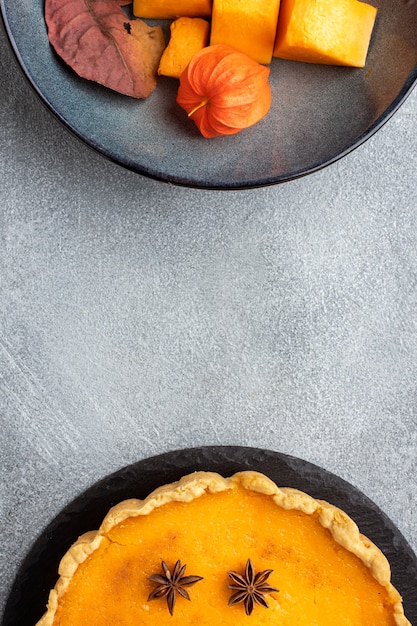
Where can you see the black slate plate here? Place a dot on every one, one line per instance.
(38, 573)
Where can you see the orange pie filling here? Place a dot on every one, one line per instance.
(324, 572)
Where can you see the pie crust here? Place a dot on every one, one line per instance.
(316, 519)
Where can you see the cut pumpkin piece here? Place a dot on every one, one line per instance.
(188, 36)
(171, 9)
(334, 32)
(248, 26)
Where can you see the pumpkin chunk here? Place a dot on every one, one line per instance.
(188, 36)
(171, 9)
(248, 26)
(334, 32)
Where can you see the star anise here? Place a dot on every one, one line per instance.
(250, 588)
(172, 584)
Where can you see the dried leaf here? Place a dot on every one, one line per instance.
(91, 36)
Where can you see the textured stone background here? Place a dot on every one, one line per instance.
(137, 318)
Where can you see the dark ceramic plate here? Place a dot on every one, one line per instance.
(38, 573)
(319, 113)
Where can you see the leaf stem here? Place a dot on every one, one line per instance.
(199, 105)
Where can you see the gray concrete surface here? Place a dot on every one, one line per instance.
(137, 318)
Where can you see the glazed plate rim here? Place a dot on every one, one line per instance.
(162, 173)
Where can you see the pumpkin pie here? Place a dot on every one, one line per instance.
(225, 551)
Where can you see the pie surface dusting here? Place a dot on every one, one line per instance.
(321, 569)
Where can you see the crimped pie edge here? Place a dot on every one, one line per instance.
(343, 529)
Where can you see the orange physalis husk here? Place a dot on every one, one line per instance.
(224, 90)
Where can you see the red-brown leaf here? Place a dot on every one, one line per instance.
(92, 37)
